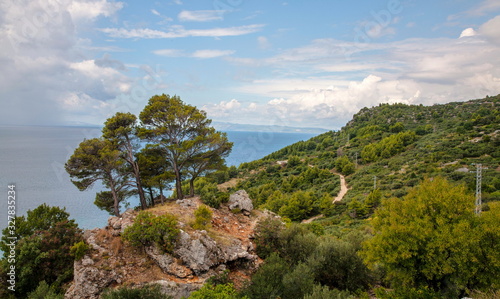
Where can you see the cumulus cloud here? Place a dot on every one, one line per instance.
(41, 49)
(490, 29)
(320, 85)
(468, 32)
(90, 10)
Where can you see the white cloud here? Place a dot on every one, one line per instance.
(414, 71)
(200, 15)
(211, 53)
(179, 31)
(42, 64)
(490, 29)
(205, 53)
(90, 10)
(170, 52)
(468, 32)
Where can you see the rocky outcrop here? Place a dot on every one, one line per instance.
(119, 224)
(89, 281)
(168, 263)
(241, 200)
(175, 289)
(197, 255)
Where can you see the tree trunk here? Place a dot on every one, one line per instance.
(191, 187)
(161, 194)
(151, 196)
(135, 168)
(178, 183)
(116, 202)
(142, 197)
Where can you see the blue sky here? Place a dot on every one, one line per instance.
(294, 63)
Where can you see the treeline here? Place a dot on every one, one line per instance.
(173, 142)
(293, 188)
(391, 148)
(429, 244)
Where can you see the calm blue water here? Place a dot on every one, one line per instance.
(33, 159)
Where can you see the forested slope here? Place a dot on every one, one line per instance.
(388, 148)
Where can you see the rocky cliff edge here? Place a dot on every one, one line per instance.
(198, 255)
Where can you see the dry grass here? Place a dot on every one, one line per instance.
(183, 214)
(488, 295)
(116, 246)
(229, 184)
(103, 236)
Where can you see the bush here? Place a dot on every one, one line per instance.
(267, 282)
(324, 292)
(410, 293)
(267, 233)
(219, 291)
(79, 250)
(336, 263)
(44, 291)
(210, 194)
(147, 292)
(149, 229)
(203, 216)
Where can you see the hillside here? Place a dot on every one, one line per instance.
(390, 148)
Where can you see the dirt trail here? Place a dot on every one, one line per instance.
(339, 197)
(343, 188)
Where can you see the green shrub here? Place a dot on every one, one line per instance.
(219, 291)
(44, 291)
(267, 233)
(267, 282)
(149, 229)
(147, 292)
(221, 278)
(336, 263)
(410, 293)
(209, 193)
(79, 250)
(324, 292)
(203, 216)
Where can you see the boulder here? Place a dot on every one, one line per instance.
(119, 224)
(168, 263)
(241, 200)
(89, 281)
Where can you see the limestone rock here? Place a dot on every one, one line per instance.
(175, 289)
(119, 224)
(241, 200)
(89, 281)
(168, 263)
(198, 251)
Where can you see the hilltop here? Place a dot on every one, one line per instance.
(389, 148)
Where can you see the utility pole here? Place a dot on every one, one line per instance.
(479, 175)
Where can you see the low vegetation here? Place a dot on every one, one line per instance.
(149, 229)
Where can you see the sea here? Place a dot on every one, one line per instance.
(32, 161)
